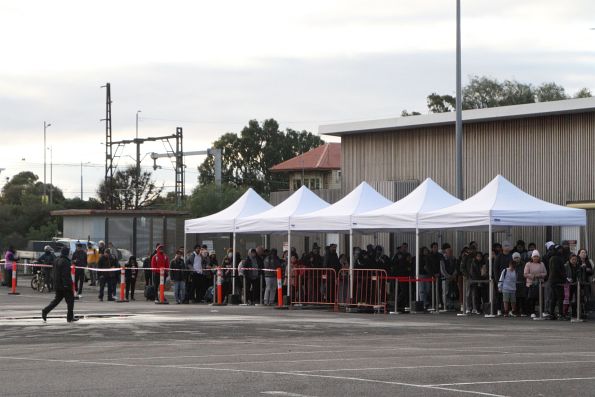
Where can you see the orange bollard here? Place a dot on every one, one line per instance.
(14, 280)
(122, 285)
(279, 288)
(161, 285)
(219, 286)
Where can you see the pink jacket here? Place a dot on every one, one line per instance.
(534, 271)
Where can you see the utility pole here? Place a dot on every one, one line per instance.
(137, 112)
(459, 114)
(51, 174)
(109, 161)
(45, 127)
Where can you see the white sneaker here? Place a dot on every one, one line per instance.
(533, 315)
(499, 313)
(512, 315)
(546, 314)
(475, 312)
(468, 312)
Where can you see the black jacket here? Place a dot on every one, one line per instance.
(557, 273)
(178, 266)
(332, 260)
(79, 258)
(62, 278)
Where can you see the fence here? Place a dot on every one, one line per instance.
(362, 288)
(313, 286)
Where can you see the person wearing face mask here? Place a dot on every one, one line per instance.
(159, 261)
(585, 276)
(199, 260)
(227, 264)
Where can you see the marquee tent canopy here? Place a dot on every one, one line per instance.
(403, 214)
(338, 216)
(224, 221)
(276, 219)
(500, 203)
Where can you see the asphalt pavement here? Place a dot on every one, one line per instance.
(143, 349)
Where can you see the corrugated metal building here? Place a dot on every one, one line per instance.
(544, 148)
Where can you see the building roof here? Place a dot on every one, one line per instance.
(567, 106)
(147, 213)
(323, 158)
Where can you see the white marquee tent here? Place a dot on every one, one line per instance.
(500, 203)
(404, 214)
(250, 203)
(276, 219)
(338, 217)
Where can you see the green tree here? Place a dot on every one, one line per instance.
(208, 199)
(441, 103)
(583, 93)
(550, 92)
(26, 184)
(248, 157)
(128, 190)
(405, 113)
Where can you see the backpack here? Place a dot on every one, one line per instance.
(502, 277)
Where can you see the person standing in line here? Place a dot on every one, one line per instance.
(271, 263)
(534, 274)
(252, 286)
(521, 288)
(131, 274)
(448, 270)
(147, 269)
(104, 264)
(199, 260)
(159, 261)
(178, 276)
(79, 259)
(10, 259)
(501, 262)
(47, 258)
(63, 287)
(507, 286)
(92, 259)
(557, 278)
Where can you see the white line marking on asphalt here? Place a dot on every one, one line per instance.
(449, 366)
(431, 387)
(511, 381)
(283, 393)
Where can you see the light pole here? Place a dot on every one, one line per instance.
(137, 112)
(45, 127)
(51, 174)
(459, 115)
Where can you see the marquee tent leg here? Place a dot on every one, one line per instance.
(233, 276)
(351, 265)
(417, 264)
(289, 265)
(490, 269)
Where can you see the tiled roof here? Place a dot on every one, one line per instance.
(324, 158)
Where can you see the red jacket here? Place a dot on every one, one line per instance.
(159, 261)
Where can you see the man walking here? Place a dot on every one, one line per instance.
(63, 287)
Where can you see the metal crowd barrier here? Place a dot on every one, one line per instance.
(367, 289)
(313, 286)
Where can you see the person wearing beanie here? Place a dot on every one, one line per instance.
(63, 287)
(534, 274)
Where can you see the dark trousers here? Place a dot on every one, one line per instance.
(111, 286)
(254, 290)
(79, 280)
(47, 275)
(8, 278)
(130, 286)
(157, 283)
(199, 287)
(556, 297)
(68, 296)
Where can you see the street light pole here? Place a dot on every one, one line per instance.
(459, 114)
(137, 112)
(45, 126)
(51, 174)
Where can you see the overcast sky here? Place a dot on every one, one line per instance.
(210, 66)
